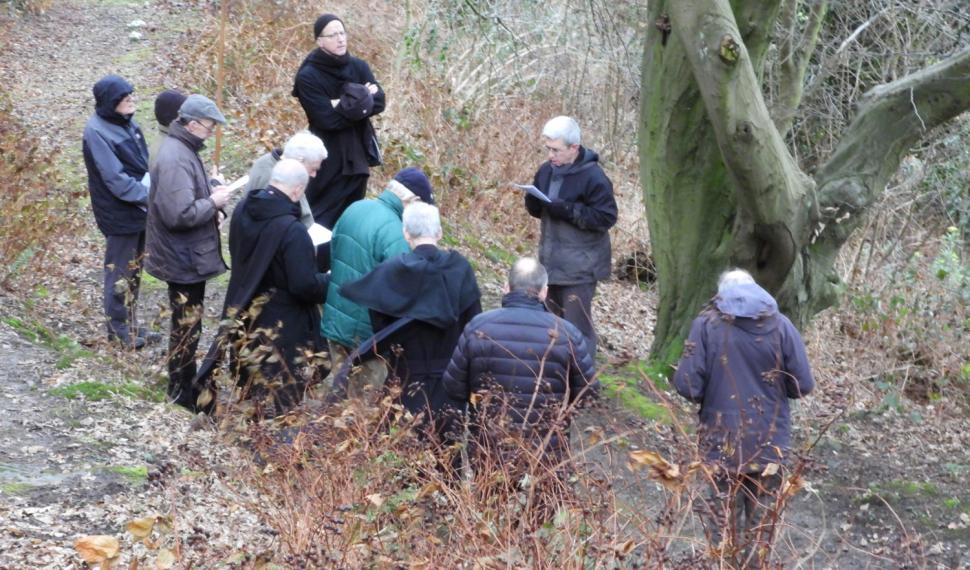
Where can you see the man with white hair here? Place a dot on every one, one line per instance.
(368, 233)
(272, 261)
(574, 243)
(743, 362)
(419, 303)
(304, 147)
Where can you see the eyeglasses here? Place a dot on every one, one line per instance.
(334, 35)
(554, 150)
(207, 128)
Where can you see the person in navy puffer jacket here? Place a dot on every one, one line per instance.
(116, 157)
(522, 370)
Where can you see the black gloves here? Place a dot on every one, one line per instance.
(560, 210)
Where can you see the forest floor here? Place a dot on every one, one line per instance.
(87, 443)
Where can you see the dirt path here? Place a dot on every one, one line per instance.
(888, 488)
(85, 444)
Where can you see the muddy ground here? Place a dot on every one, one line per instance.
(87, 444)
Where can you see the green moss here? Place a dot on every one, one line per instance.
(15, 488)
(67, 348)
(624, 387)
(97, 391)
(135, 474)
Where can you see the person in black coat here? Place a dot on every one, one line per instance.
(273, 295)
(339, 94)
(116, 158)
(575, 242)
(419, 304)
(521, 369)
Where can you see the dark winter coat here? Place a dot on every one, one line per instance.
(367, 234)
(116, 157)
(182, 240)
(438, 290)
(574, 244)
(742, 362)
(527, 365)
(273, 257)
(346, 130)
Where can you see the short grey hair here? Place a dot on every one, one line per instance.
(422, 220)
(733, 277)
(290, 173)
(562, 128)
(305, 147)
(528, 276)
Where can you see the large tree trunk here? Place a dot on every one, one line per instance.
(721, 188)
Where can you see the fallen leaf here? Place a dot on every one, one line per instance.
(375, 499)
(97, 549)
(662, 470)
(625, 548)
(140, 528)
(770, 470)
(165, 560)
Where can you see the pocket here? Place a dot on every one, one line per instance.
(206, 258)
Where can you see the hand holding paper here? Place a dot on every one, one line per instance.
(532, 191)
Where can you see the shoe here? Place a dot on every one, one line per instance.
(138, 343)
(151, 337)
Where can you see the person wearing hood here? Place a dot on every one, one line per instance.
(339, 94)
(574, 241)
(743, 361)
(367, 234)
(116, 158)
(183, 245)
(419, 303)
(273, 261)
(167, 105)
(304, 147)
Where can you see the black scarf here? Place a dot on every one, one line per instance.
(335, 66)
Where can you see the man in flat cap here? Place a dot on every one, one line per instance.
(183, 243)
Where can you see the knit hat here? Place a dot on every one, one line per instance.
(415, 180)
(322, 22)
(201, 107)
(167, 106)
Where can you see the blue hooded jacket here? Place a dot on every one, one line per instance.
(116, 158)
(742, 362)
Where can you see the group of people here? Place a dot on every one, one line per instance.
(397, 309)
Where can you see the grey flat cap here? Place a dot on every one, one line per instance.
(201, 107)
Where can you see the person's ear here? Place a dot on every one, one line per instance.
(543, 293)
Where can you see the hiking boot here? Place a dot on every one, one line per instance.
(124, 341)
(151, 337)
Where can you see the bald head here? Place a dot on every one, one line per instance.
(528, 276)
(290, 177)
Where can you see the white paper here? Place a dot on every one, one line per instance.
(146, 180)
(239, 183)
(319, 234)
(532, 191)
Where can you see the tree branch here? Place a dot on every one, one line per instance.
(891, 119)
(794, 58)
(772, 193)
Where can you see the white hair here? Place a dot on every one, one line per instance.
(422, 220)
(562, 128)
(528, 275)
(305, 147)
(733, 277)
(289, 173)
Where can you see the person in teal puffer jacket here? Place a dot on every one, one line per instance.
(368, 233)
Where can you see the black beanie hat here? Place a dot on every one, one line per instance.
(415, 180)
(322, 22)
(167, 106)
